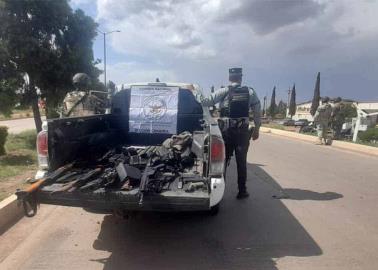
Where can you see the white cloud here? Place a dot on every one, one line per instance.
(77, 3)
(128, 72)
(276, 43)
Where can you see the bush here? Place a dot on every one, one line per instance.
(3, 138)
(24, 140)
(369, 135)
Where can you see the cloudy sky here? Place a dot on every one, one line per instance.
(276, 42)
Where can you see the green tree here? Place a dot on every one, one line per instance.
(264, 107)
(293, 104)
(371, 134)
(281, 109)
(348, 111)
(111, 88)
(8, 96)
(273, 105)
(316, 97)
(50, 43)
(10, 82)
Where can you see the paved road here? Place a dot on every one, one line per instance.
(19, 125)
(323, 216)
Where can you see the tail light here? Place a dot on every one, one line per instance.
(42, 149)
(217, 156)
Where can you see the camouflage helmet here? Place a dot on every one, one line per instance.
(325, 99)
(81, 80)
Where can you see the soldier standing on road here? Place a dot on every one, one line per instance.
(322, 119)
(337, 117)
(82, 102)
(235, 101)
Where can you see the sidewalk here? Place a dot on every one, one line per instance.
(353, 147)
(19, 125)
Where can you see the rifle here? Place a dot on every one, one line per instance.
(148, 171)
(107, 178)
(82, 180)
(28, 196)
(96, 183)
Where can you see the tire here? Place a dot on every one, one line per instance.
(214, 210)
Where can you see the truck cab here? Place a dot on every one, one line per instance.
(137, 120)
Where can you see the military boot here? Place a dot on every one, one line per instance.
(242, 194)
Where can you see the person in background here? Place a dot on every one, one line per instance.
(322, 119)
(81, 101)
(338, 118)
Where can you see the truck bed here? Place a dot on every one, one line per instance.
(84, 140)
(177, 179)
(102, 200)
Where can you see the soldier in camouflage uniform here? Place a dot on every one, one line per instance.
(322, 119)
(82, 102)
(338, 117)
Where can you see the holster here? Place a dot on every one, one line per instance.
(223, 124)
(251, 129)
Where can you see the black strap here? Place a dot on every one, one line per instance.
(76, 104)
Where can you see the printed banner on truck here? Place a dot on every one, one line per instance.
(153, 109)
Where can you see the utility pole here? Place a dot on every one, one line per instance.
(104, 60)
(104, 35)
(288, 102)
(264, 108)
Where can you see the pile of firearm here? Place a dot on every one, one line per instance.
(151, 168)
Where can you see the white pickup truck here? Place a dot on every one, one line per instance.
(80, 139)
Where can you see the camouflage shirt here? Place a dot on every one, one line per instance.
(81, 103)
(323, 114)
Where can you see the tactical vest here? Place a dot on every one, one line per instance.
(238, 102)
(80, 103)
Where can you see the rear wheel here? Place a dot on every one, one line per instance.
(214, 210)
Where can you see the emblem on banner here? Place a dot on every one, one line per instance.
(154, 108)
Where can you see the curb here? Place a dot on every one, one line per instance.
(10, 213)
(358, 148)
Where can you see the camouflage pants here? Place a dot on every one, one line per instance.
(322, 129)
(337, 127)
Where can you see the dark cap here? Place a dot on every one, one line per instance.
(235, 71)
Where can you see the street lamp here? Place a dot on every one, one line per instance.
(104, 34)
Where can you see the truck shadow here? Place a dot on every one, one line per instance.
(249, 234)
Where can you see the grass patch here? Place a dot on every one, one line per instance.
(367, 143)
(23, 140)
(274, 125)
(19, 114)
(19, 163)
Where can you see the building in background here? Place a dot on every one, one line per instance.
(367, 111)
(303, 111)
